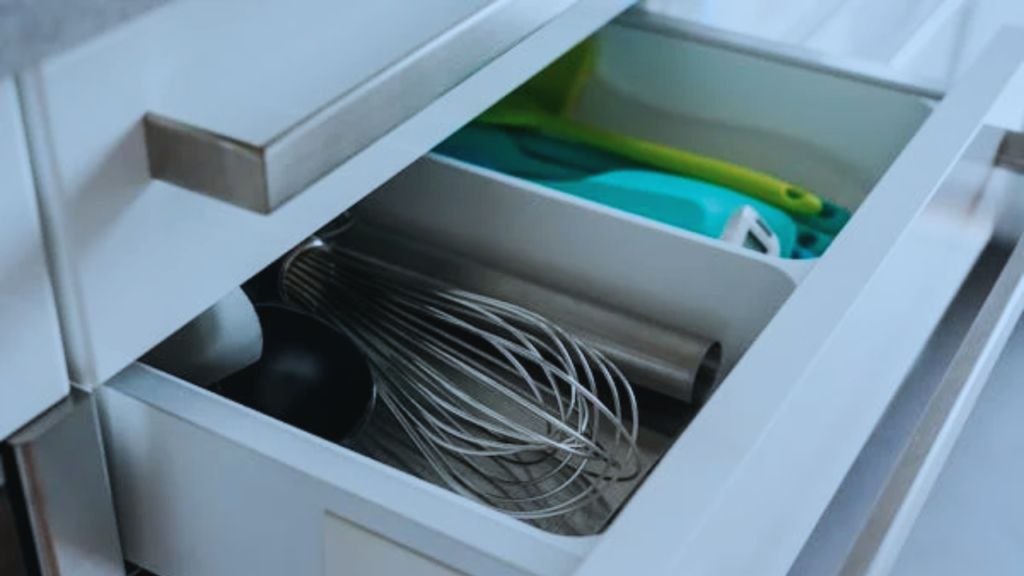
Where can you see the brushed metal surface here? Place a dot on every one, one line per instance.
(261, 176)
(857, 533)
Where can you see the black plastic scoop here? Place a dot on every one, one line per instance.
(310, 375)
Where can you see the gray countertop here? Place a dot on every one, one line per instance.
(33, 29)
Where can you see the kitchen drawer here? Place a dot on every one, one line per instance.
(867, 30)
(971, 520)
(814, 351)
(309, 108)
(32, 372)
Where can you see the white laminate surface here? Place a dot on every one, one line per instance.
(32, 370)
(791, 21)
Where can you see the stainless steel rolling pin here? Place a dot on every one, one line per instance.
(673, 362)
(677, 364)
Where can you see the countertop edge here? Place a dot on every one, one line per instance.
(31, 30)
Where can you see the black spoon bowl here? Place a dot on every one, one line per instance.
(311, 376)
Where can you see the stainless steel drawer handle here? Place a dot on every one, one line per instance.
(261, 176)
(921, 461)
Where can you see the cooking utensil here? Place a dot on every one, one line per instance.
(310, 375)
(505, 406)
(542, 104)
(221, 341)
(672, 362)
(687, 203)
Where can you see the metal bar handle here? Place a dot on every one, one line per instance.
(261, 176)
(905, 493)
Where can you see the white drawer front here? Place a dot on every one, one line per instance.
(32, 371)
(142, 256)
(204, 489)
(815, 350)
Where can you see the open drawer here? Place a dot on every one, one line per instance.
(237, 102)
(813, 351)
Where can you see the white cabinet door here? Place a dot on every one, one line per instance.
(874, 30)
(972, 521)
(32, 371)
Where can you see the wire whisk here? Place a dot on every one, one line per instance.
(503, 405)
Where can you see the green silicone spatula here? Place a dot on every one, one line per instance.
(541, 104)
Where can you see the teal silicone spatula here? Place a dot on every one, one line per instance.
(691, 204)
(681, 202)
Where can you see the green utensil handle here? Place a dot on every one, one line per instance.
(768, 189)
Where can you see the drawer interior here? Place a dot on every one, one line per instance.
(817, 130)
(446, 219)
(503, 238)
(834, 136)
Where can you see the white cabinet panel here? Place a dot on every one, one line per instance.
(32, 371)
(140, 256)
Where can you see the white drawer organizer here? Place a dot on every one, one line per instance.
(815, 352)
(32, 373)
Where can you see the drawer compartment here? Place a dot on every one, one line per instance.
(654, 121)
(578, 247)
(810, 352)
(245, 106)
